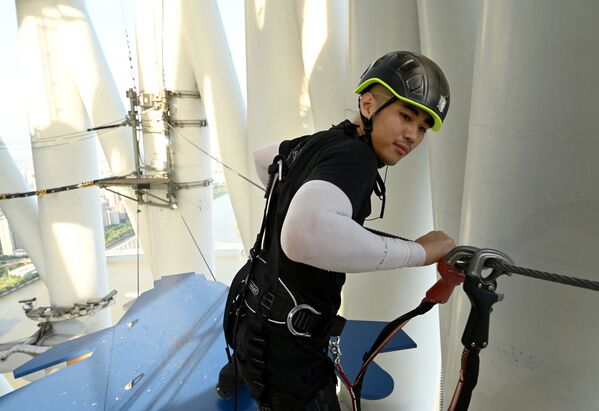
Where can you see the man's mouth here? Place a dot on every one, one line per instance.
(401, 148)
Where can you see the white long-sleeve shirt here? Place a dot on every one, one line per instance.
(318, 230)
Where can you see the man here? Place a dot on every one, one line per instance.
(314, 232)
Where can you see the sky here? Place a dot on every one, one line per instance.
(112, 19)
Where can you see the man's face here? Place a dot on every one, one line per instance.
(397, 130)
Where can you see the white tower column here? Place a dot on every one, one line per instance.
(177, 240)
(278, 99)
(225, 110)
(531, 191)
(103, 102)
(22, 213)
(70, 222)
(324, 46)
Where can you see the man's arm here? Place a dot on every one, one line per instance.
(318, 230)
(263, 157)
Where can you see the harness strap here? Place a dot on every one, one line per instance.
(383, 338)
(286, 318)
(468, 379)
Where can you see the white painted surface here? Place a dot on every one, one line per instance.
(531, 191)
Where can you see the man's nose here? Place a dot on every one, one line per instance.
(411, 133)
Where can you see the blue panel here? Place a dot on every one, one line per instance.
(169, 359)
(175, 351)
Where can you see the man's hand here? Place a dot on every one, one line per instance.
(437, 245)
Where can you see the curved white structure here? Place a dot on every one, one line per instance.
(70, 222)
(531, 191)
(393, 26)
(324, 47)
(21, 212)
(88, 68)
(225, 111)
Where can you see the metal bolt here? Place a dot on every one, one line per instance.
(473, 344)
(132, 323)
(490, 288)
(484, 344)
(479, 285)
(134, 381)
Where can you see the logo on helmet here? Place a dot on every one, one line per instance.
(442, 104)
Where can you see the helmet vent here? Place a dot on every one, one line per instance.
(408, 66)
(416, 84)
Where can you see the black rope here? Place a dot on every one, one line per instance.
(122, 124)
(541, 275)
(42, 192)
(383, 234)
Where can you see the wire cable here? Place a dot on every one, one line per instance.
(197, 246)
(216, 159)
(131, 69)
(542, 275)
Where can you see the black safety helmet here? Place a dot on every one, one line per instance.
(412, 78)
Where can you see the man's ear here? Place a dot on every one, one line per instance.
(367, 104)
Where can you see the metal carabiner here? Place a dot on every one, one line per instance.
(292, 312)
(460, 252)
(477, 264)
(335, 348)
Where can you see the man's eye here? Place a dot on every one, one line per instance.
(423, 130)
(406, 117)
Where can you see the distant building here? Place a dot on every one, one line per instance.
(8, 242)
(111, 213)
(22, 271)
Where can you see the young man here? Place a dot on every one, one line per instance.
(314, 234)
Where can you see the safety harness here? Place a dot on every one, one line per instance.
(259, 293)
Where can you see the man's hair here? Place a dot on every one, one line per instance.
(380, 93)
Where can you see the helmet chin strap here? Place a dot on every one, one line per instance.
(368, 122)
(379, 188)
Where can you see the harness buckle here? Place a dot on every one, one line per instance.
(280, 162)
(303, 320)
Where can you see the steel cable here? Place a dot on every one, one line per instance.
(542, 275)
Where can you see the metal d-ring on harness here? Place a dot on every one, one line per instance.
(292, 313)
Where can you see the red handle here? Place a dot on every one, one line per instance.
(450, 278)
